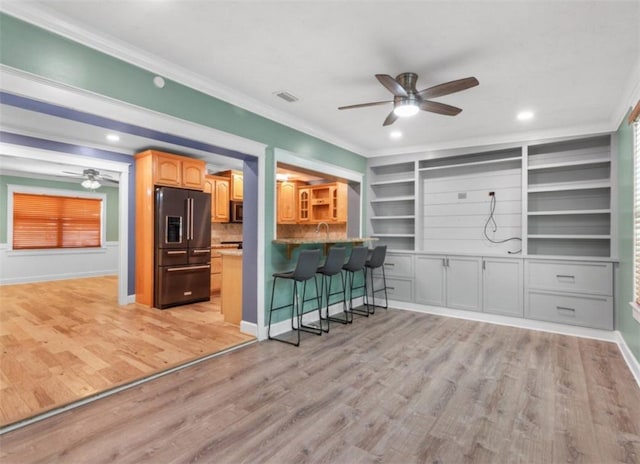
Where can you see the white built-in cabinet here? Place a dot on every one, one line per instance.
(451, 281)
(555, 198)
(502, 286)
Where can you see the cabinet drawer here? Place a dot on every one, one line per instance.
(398, 265)
(592, 278)
(397, 289)
(587, 311)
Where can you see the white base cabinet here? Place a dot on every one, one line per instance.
(451, 281)
(570, 292)
(398, 269)
(502, 286)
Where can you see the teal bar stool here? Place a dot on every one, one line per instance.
(304, 271)
(333, 267)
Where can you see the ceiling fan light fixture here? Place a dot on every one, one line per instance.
(90, 184)
(406, 109)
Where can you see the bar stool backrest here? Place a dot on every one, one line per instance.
(377, 256)
(357, 259)
(307, 265)
(335, 261)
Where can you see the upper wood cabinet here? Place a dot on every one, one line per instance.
(339, 202)
(304, 211)
(174, 170)
(236, 184)
(287, 203)
(322, 203)
(218, 186)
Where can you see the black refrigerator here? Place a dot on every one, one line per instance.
(182, 247)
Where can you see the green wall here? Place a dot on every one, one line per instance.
(29, 48)
(111, 192)
(625, 323)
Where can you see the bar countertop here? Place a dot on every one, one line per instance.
(292, 243)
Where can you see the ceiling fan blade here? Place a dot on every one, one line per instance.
(362, 105)
(392, 85)
(390, 119)
(79, 174)
(448, 87)
(440, 108)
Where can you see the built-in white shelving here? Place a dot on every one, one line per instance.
(392, 205)
(569, 198)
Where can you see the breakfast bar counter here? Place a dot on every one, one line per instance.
(292, 243)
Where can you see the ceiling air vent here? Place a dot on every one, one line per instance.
(286, 96)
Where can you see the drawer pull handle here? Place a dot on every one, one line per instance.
(188, 268)
(182, 252)
(389, 264)
(390, 288)
(565, 308)
(201, 251)
(565, 277)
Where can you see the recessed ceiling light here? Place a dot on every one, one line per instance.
(395, 135)
(113, 137)
(158, 82)
(525, 115)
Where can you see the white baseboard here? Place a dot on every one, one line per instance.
(249, 328)
(285, 326)
(52, 277)
(632, 362)
(585, 332)
(131, 298)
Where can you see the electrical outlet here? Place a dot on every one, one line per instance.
(492, 194)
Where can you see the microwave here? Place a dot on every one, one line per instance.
(235, 211)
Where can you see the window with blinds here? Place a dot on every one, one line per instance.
(51, 221)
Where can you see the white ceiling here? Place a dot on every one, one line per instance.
(576, 64)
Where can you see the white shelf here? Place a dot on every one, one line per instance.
(566, 186)
(394, 235)
(471, 163)
(393, 182)
(569, 237)
(569, 212)
(390, 199)
(563, 164)
(386, 218)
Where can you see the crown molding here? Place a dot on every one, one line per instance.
(517, 138)
(56, 24)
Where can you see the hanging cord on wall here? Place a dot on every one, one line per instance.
(491, 220)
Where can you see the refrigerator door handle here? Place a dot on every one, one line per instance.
(188, 268)
(191, 218)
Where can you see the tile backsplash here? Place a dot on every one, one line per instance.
(225, 232)
(309, 231)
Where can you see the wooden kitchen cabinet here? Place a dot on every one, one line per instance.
(218, 186)
(216, 271)
(339, 203)
(175, 170)
(287, 203)
(236, 184)
(231, 291)
(304, 202)
(322, 203)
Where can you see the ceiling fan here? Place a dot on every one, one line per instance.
(407, 101)
(91, 178)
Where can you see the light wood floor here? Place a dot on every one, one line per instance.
(66, 340)
(398, 387)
